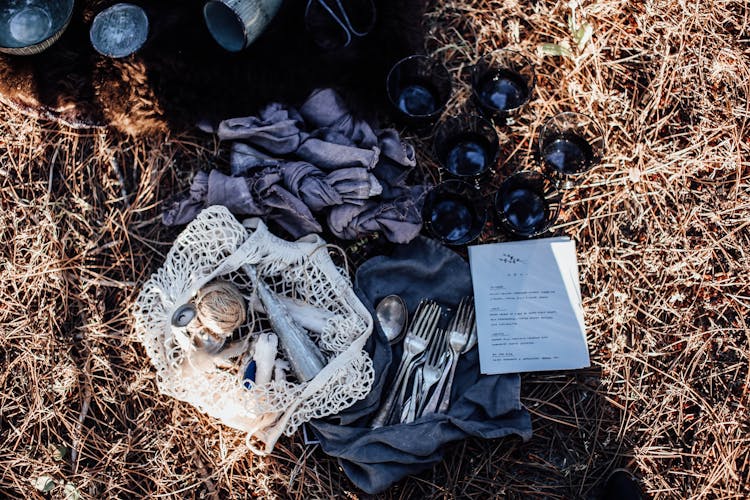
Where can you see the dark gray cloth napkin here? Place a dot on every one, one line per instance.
(486, 406)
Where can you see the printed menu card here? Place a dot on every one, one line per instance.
(527, 297)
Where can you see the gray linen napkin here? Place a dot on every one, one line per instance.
(486, 406)
(287, 165)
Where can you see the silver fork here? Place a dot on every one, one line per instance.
(415, 342)
(427, 372)
(458, 339)
(433, 367)
(455, 336)
(408, 411)
(430, 334)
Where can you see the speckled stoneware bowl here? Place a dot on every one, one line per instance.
(119, 30)
(30, 26)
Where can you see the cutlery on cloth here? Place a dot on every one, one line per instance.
(472, 340)
(426, 374)
(392, 316)
(415, 343)
(457, 339)
(435, 365)
(417, 362)
(409, 409)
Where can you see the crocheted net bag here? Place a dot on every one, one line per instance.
(216, 246)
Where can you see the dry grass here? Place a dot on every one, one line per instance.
(662, 228)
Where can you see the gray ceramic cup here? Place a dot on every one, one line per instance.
(235, 24)
(119, 30)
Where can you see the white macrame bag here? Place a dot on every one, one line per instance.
(216, 246)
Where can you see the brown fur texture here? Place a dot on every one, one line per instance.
(182, 76)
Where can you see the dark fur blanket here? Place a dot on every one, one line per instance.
(181, 75)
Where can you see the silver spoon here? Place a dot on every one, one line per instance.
(392, 315)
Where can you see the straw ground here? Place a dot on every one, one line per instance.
(662, 234)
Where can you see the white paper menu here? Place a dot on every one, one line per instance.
(528, 305)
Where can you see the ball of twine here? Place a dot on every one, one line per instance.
(220, 308)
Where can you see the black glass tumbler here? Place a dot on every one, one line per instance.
(419, 88)
(527, 203)
(570, 143)
(502, 83)
(454, 212)
(466, 147)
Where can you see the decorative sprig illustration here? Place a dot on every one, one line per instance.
(507, 258)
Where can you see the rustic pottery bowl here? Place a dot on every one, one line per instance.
(119, 30)
(30, 26)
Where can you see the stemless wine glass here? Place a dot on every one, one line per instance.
(419, 88)
(527, 203)
(502, 83)
(570, 143)
(466, 147)
(454, 212)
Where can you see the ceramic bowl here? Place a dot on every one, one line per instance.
(30, 26)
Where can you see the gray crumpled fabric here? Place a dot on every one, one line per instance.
(286, 195)
(395, 213)
(323, 132)
(287, 165)
(486, 406)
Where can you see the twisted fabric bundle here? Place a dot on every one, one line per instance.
(220, 307)
(293, 164)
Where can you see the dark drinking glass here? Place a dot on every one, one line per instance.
(454, 213)
(570, 143)
(419, 88)
(504, 90)
(527, 203)
(466, 146)
(502, 82)
(418, 98)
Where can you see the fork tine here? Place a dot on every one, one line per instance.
(440, 347)
(457, 316)
(469, 317)
(454, 320)
(467, 306)
(467, 311)
(435, 347)
(430, 347)
(419, 316)
(427, 327)
(429, 330)
(429, 313)
(424, 318)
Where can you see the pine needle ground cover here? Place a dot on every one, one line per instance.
(662, 228)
